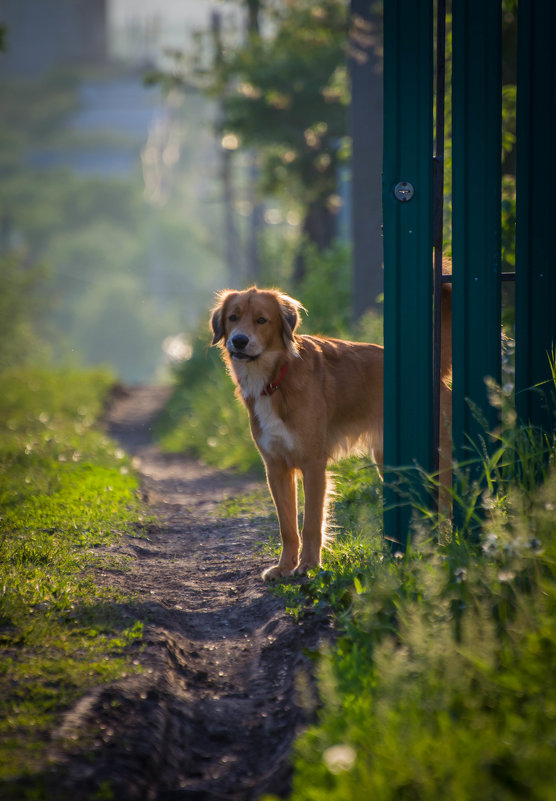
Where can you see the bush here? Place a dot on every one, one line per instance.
(325, 289)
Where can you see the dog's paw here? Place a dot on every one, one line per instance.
(276, 572)
(305, 565)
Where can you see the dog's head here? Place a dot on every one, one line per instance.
(251, 323)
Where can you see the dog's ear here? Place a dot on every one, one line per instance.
(289, 311)
(217, 317)
(217, 325)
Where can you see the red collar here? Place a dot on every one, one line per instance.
(271, 388)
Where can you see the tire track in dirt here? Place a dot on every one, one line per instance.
(215, 709)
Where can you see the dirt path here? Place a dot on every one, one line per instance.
(214, 713)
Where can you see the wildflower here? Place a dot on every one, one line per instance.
(491, 544)
(460, 574)
(506, 575)
(339, 757)
(487, 501)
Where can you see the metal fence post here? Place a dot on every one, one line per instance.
(408, 214)
(476, 219)
(536, 210)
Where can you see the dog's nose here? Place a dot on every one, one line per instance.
(239, 341)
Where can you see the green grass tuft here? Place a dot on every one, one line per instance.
(66, 490)
(441, 681)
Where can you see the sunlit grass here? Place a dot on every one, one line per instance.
(441, 681)
(253, 504)
(440, 677)
(66, 490)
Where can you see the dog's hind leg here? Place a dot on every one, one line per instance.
(445, 452)
(314, 486)
(282, 481)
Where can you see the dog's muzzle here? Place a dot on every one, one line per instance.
(237, 354)
(236, 347)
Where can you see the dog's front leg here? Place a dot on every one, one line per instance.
(314, 486)
(282, 481)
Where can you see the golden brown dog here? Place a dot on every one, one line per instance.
(310, 400)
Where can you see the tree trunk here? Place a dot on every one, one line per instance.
(319, 229)
(366, 132)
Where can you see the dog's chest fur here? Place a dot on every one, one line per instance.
(270, 432)
(275, 436)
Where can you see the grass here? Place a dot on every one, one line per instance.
(355, 526)
(66, 491)
(441, 681)
(258, 502)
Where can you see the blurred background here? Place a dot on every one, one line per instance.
(152, 152)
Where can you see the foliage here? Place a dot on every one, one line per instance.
(508, 223)
(65, 492)
(20, 310)
(441, 680)
(283, 92)
(442, 683)
(119, 275)
(325, 289)
(288, 93)
(508, 134)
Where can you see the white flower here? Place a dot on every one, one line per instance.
(490, 545)
(460, 574)
(339, 757)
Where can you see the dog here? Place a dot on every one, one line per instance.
(310, 399)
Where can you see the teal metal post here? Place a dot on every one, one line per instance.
(476, 219)
(536, 210)
(407, 165)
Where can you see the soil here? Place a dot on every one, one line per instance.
(217, 703)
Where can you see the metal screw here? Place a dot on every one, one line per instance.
(404, 191)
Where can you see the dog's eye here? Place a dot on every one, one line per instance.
(232, 318)
(261, 320)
